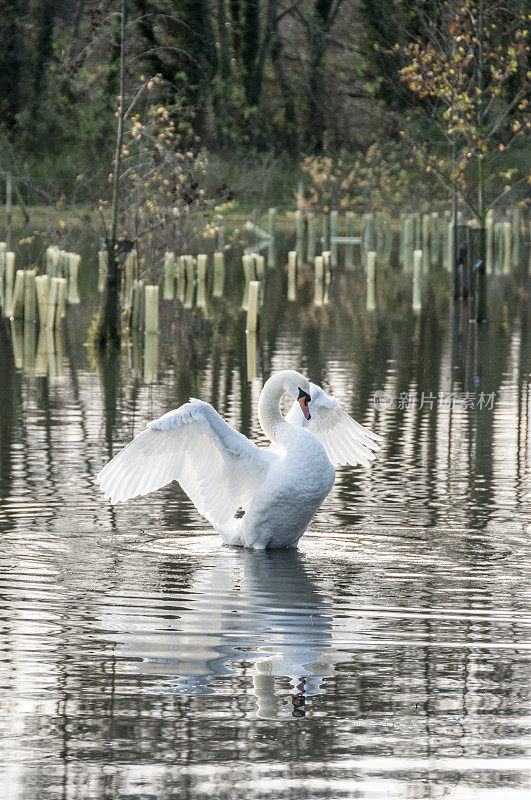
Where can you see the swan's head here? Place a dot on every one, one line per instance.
(298, 386)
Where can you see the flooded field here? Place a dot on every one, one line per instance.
(387, 657)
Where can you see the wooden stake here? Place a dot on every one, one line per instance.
(9, 258)
(310, 246)
(151, 309)
(61, 301)
(349, 248)
(319, 269)
(168, 289)
(202, 264)
(252, 307)
(151, 352)
(408, 243)
(434, 238)
(259, 266)
(42, 290)
(137, 305)
(29, 297)
(17, 304)
(53, 289)
(426, 235)
(371, 280)
(251, 353)
(299, 235)
(507, 241)
(325, 238)
(180, 271)
(219, 274)
(333, 234)
(190, 272)
(417, 280)
(489, 233)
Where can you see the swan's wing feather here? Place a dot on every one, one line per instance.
(345, 441)
(218, 468)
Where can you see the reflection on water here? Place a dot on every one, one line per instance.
(388, 657)
(261, 608)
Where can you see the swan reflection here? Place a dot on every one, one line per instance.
(244, 608)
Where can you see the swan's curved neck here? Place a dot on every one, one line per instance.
(269, 416)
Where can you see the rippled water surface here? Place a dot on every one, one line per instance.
(388, 657)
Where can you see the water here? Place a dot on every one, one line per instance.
(388, 657)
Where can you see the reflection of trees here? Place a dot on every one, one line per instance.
(9, 405)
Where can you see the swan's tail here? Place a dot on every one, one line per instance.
(231, 532)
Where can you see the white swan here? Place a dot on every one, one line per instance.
(279, 488)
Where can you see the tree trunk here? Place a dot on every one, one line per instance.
(12, 59)
(108, 330)
(324, 14)
(481, 277)
(223, 91)
(44, 52)
(290, 115)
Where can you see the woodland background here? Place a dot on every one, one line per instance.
(261, 90)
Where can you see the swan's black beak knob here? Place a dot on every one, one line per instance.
(304, 398)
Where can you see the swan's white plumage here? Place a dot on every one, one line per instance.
(279, 488)
(345, 441)
(218, 468)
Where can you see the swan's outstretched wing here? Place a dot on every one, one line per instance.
(218, 468)
(344, 440)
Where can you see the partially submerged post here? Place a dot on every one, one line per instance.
(251, 352)
(151, 355)
(9, 260)
(426, 235)
(507, 241)
(310, 247)
(17, 304)
(417, 280)
(151, 309)
(333, 236)
(408, 243)
(137, 305)
(292, 275)
(371, 280)
(434, 238)
(489, 234)
(41, 288)
(190, 272)
(325, 238)
(29, 296)
(252, 307)
(299, 234)
(349, 249)
(368, 239)
(219, 274)
(202, 264)
(319, 269)
(168, 287)
(259, 266)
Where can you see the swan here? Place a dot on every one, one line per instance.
(279, 487)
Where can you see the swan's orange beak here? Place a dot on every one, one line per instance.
(304, 399)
